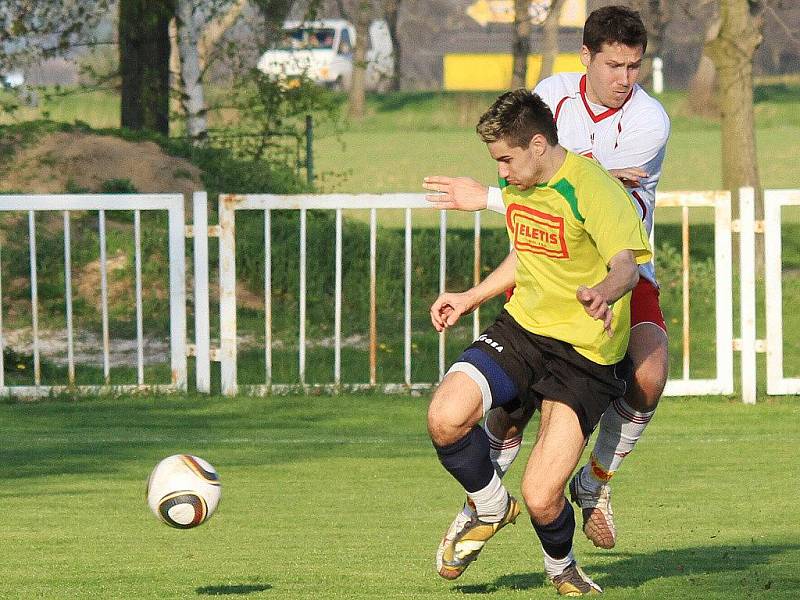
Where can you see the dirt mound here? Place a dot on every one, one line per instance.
(79, 160)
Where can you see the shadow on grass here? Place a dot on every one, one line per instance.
(635, 570)
(232, 590)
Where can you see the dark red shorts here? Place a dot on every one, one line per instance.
(644, 305)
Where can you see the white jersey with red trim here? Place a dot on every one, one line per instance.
(634, 135)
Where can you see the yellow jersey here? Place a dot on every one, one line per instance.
(565, 232)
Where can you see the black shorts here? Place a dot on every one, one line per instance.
(522, 366)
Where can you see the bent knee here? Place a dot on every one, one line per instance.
(452, 415)
(542, 507)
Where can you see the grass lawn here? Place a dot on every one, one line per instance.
(344, 498)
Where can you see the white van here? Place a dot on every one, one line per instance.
(324, 51)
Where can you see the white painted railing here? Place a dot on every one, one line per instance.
(173, 205)
(722, 383)
(226, 351)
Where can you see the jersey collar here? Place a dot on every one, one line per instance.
(597, 117)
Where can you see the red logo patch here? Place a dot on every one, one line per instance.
(536, 232)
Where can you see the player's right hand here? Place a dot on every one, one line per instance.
(630, 177)
(458, 193)
(449, 307)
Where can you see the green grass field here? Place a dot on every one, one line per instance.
(340, 498)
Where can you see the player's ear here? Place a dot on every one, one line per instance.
(539, 144)
(586, 56)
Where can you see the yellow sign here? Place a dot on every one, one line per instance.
(483, 12)
(492, 72)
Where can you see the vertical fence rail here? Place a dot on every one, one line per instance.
(337, 304)
(202, 333)
(177, 287)
(268, 297)
(227, 295)
(747, 293)
(373, 296)
(68, 299)
(37, 367)
(137, 253)
(407, 300)
(101, 225)
(303, 259)
(476, 274)
(442, 285)
(685, 292)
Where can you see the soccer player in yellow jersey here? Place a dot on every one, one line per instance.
(558, 345)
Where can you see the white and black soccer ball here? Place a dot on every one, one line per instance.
(183, 491)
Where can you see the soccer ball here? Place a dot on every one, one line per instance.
(183, 491)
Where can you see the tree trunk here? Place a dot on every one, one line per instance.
(358, 83)
(144, 50)
(702, 97)
(192, 97)
(391, 9)
(732, 52)
(521, 47)
(550, 39)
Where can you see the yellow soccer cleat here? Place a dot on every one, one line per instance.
(574, 582)
(465, 539)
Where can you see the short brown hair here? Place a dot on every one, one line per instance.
(517, 116)
(614, 24)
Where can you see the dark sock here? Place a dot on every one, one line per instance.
(468, 460)
(556, 537)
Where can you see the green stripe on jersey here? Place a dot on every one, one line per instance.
(567, 191)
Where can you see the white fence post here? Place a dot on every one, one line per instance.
(227, 294)
(747, 293)
(202, 335)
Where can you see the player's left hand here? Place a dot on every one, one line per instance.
(596, 306)
(458, 193)
(631, 177)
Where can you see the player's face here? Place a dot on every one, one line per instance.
(611, 73)
(518, 166)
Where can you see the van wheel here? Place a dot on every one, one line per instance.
(338, 85)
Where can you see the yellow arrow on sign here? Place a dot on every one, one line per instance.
(491, 11)
(502, 11)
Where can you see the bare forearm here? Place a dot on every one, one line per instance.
(622, 277)
(497, 281)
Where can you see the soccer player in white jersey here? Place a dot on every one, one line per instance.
(604, 114)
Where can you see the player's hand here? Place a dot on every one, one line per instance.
(459, 193)
(449, 307)
(596, 306)
(630, 177)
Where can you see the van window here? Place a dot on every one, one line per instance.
(304, 38)
(345, 46)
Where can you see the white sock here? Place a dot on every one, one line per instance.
(491, 501)
(503, 452)
(556, 566)
(620, 429)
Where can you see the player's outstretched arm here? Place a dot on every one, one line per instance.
(456, 193)
(448, 308)
(623, 274)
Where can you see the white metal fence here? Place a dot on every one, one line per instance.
(226, 351)
(65, 204)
